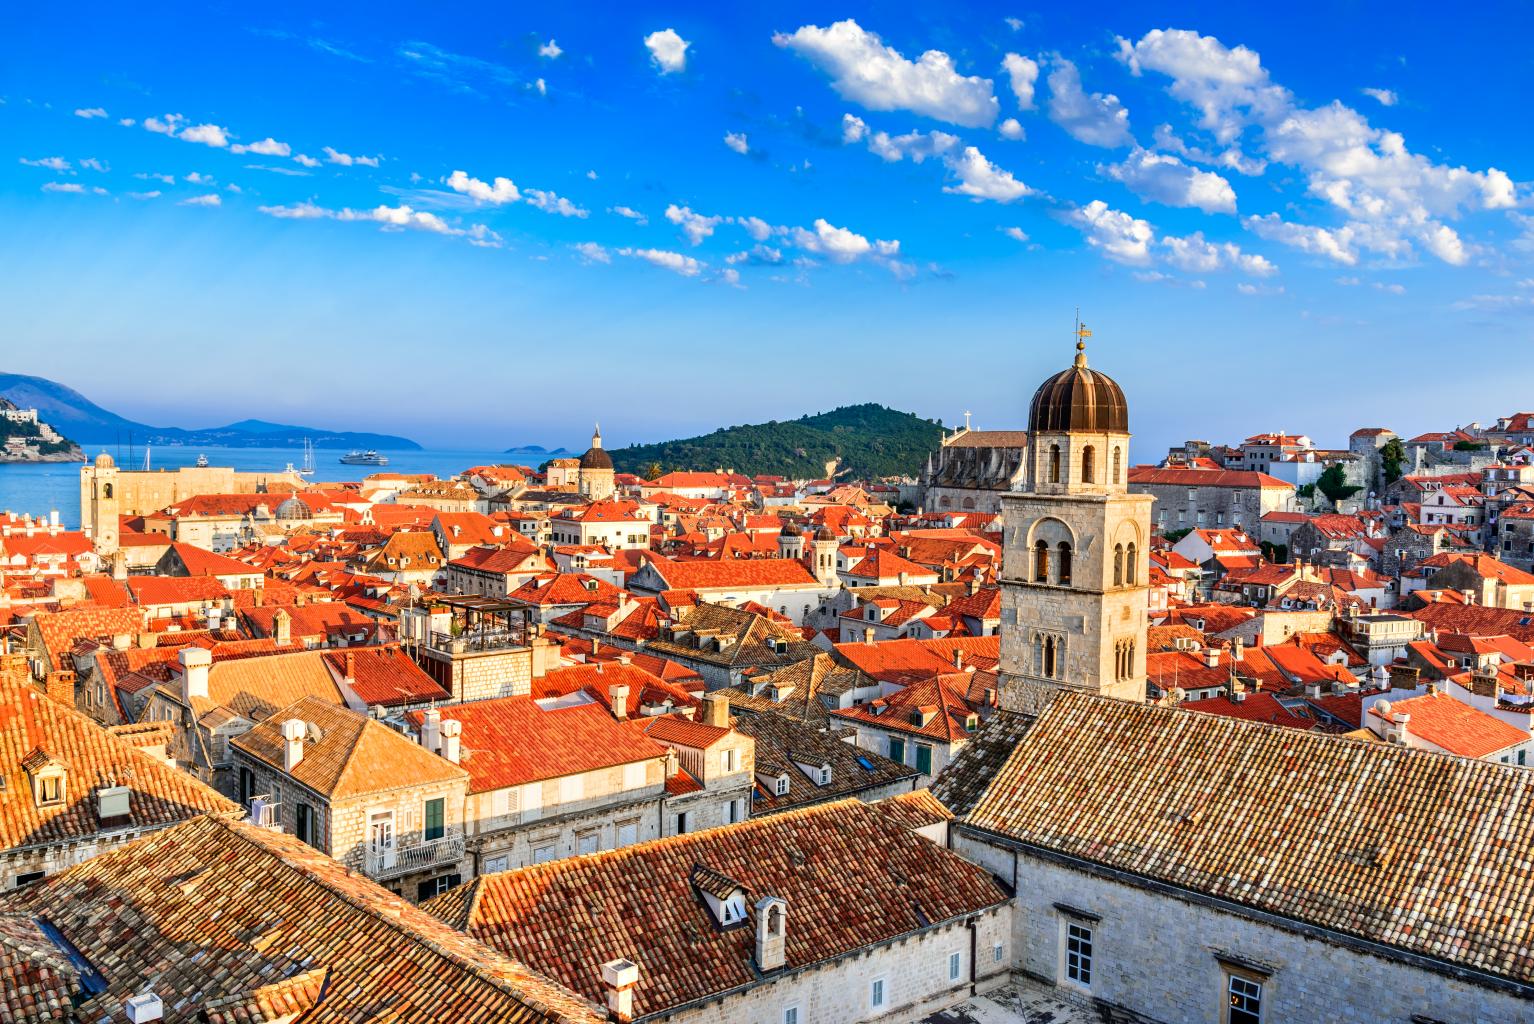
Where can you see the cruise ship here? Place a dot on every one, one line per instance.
(367, 458)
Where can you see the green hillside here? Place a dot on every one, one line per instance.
(871, 441)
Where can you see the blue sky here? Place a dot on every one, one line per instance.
(487, 225)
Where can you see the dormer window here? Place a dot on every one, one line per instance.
(780, 787)
(49, 778)
(825, 776)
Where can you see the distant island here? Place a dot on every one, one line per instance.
(538, 451)
(26, 437)
(864, 441)
(76, 416)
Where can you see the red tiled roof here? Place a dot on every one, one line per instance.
(1455, 726)
(511, 741)
(739, 572)
(1151, 476)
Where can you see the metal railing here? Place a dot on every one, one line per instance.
(478, 640)
(403, 859)
(265, 812)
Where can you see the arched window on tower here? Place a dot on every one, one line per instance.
(1117, 459)
(1118, 565)
(1054, 463)
(1129, 565)
(1088, 470)
(1041, 562)
(1063, 573)
(1046, 650)
(107, 490)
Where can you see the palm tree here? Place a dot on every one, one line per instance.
(654, 471)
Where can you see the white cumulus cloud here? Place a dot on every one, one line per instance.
(867, 71)
(52, 163)
(550, 50)
(1116, 234)
(591, 252)
(1022, 72)
(347, 160)
(1097, 119)
(694, 225)
(266, 147)
(548, 202)
(211, 199)
(854, 129)
(1163, 178)
(499, 192)
(1384, 97)
(90, 112)
(1011, 129)
(630, 213)
(668, 51)
(737, 142)
(672, 261)
(981, 179)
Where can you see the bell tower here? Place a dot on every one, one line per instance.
(1074, 565)
(99, 503)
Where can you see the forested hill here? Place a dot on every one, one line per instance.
(870, 440)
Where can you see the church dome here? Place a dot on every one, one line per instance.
(104, 461)
(596, 457)
(824, 533)
(1078, 398)
(294, 508)
(789, 530)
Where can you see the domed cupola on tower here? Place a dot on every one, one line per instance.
(1078, 431)
(595, 476)
(1074, 562)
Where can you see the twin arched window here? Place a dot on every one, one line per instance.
(1041, 562)
(1048, 655)
(1124, 659)
(1124, 565)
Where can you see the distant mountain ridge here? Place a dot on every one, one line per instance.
(870, 440)
(538, 450)
(77, 417)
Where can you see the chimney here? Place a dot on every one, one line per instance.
(119, 565)
(958, 659)
(619, 978)
(452, 748)
(868, 635)
(771, 929)
(618, 699)
(292, 743)
(282, 629)
(351, 667)
(716, 710)
(1212, 656)
(195, 662)
(431, 730)
(143, 1008)
(112, 803)
(1237, 649)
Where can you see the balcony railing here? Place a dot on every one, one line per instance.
(478, 640)
(265, 812)
(404, 859)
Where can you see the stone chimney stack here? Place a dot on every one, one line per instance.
(431, 730)
(293, 731)
(716, 710)
(452, 749)
(282, 627)
(351, 667)
(771, 933)
(618, 700)
(1212, 656)
(619, 978)
(119, 565)
(195, 663)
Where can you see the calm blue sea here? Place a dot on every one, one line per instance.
(40, 487)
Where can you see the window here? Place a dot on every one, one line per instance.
(681, 823)
(876, 994)
(1245, 998)
(732, 812)
(732, 757)
(28, 877)
(495, 864)
(1078, 954)
(304, 823)
(790, 1015)
(780, 786)
(1087, 469)
(1041, 562)
(628, 833)
(50, 790)
(1117, 457)
(1130, 562)
(1065, 563)
(436, 887)
(588, 842)
(955, 963)
(897, 750)
(996, 952)
(1054, 463)
(435, 825)
(1118, 565)
(924, 759)
(543, 853)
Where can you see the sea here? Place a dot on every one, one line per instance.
(41, 487)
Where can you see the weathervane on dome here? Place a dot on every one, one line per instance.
(1082, 334)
